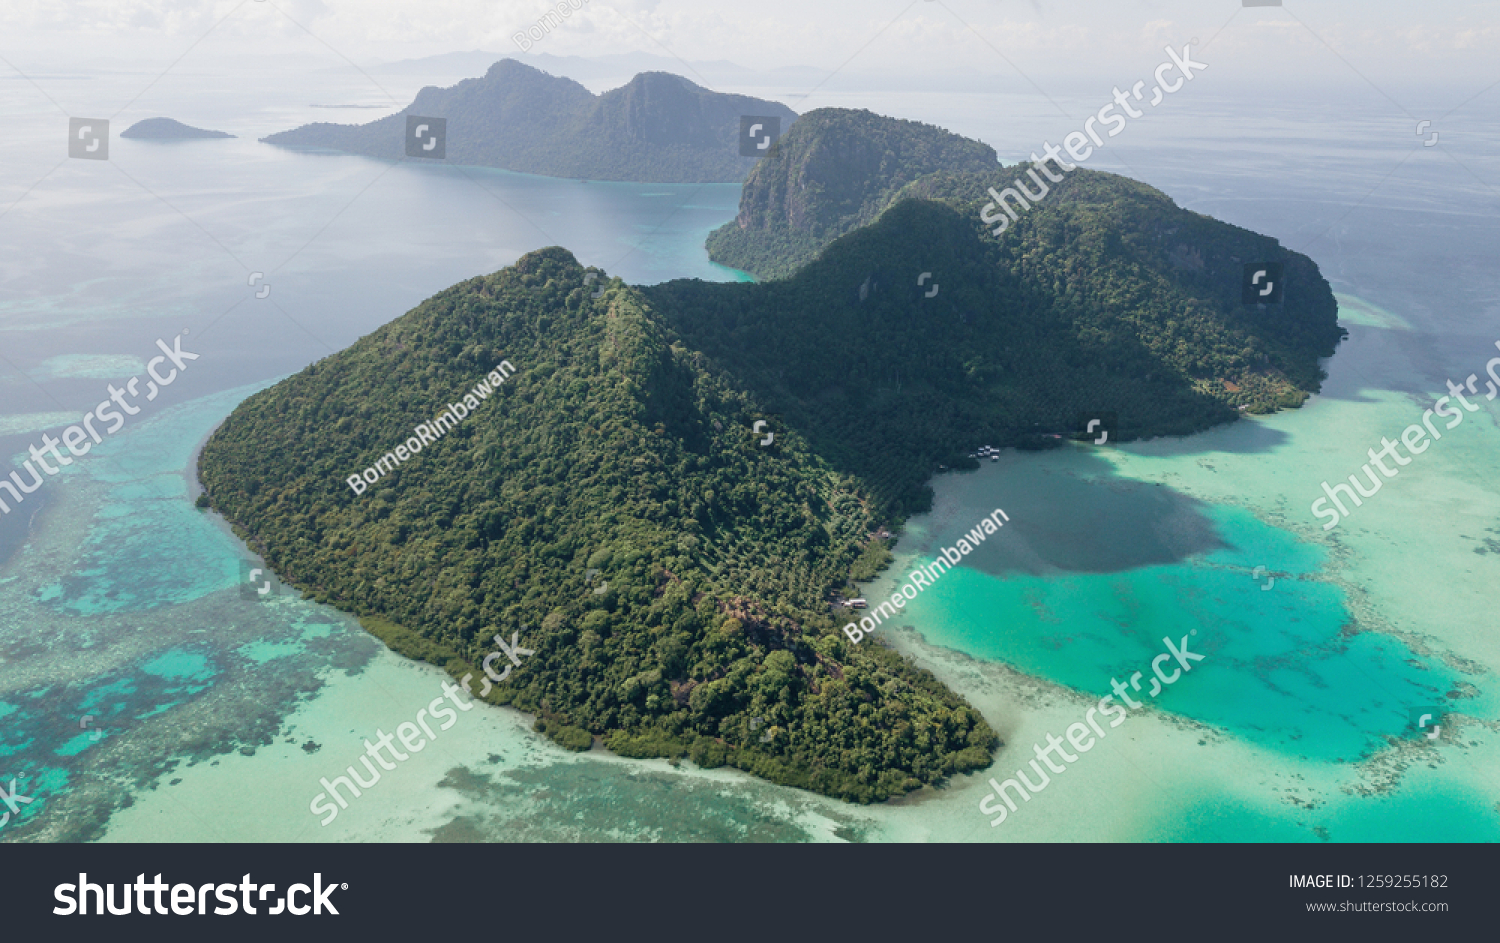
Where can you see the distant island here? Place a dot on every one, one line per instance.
(658, 128)
(166, 129)
(679, 582)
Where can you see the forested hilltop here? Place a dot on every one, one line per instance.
(658, 128)
(1025, 338)
(613, 448)
(835, 171)
(624, 444)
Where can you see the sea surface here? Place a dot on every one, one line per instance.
(151, 694)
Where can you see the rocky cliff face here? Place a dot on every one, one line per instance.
(835, 171)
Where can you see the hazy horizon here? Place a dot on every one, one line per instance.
(1379, 49)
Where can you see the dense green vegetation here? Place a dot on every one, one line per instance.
(1142, 283)
(1083, 308)
(624, 445)
(616, 448)
(658, 128)
(1128, 266)
(835, 171)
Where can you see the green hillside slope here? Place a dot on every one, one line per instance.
(612, 448)
(1085, 308)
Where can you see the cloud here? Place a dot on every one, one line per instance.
(1053, 44)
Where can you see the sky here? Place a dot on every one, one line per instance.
(1395, 48)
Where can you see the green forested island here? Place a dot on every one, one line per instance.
(658, 128)
(624, 445)
(613, 448)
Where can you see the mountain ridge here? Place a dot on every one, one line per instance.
(657, 128)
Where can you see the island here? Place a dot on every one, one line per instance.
(679, 578)
(658, 128)
(166, 129)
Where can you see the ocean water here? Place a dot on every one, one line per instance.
(148, 696)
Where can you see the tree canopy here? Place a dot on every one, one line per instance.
(613, 502)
